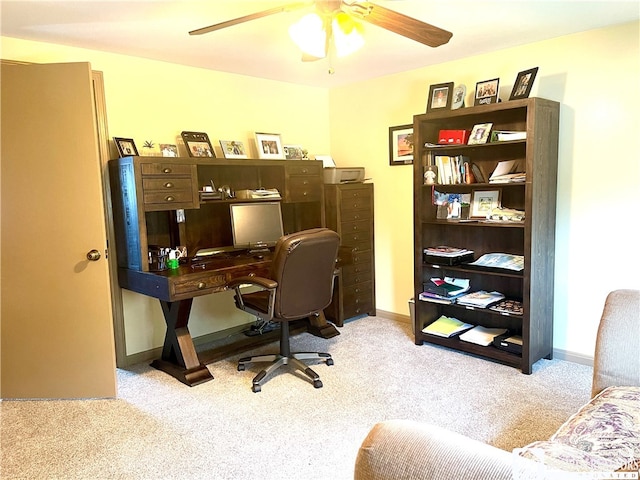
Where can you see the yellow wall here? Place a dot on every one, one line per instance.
(595, 76)
(589, 73)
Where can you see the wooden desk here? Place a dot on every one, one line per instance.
(175, 289)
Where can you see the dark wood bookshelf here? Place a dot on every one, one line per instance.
(533, 238)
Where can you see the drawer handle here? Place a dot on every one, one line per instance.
(168, 185)
(304, 170)
(305, 182)
(356, 217)
(166, 170)
(169, 198)
(304, 194)
(201, 285)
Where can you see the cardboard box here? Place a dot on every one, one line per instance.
(453, 137)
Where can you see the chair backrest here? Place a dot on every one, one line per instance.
(617, 357)
(303, 265)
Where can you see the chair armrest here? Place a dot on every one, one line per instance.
(265, 283)
(403, 449)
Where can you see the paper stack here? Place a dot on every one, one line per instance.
(482, 335)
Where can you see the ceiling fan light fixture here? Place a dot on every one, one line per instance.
(309, 35)
(347, 34)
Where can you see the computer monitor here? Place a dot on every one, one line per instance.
(256, 225)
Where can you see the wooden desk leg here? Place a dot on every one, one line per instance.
(179, 357)
(319, 326)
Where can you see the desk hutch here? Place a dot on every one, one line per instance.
(156, 202)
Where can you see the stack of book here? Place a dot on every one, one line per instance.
(480, 299)
(446, 255)
(508, 171)
(446, 327)
(444, 291)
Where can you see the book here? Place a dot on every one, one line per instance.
(508, 170)
(482, 335)
(446, 327)
(448, 287)
(478, 173)
(507, 135)
(480, 299)
(446, 251)
(500, 260)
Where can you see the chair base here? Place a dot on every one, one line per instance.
(276, 361)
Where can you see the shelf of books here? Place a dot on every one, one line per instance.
(484, 230)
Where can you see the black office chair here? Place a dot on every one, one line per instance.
(300, 285)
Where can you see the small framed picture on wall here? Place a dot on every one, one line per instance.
(401, 145)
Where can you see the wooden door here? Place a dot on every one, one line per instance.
(57, 331)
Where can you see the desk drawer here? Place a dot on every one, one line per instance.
(162, 168)
(314, 171)
(168, 199)
(304, 189)
(167, 183)
(362, 227)
(201, 283)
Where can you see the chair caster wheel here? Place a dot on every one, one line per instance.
(241, 367)
(317, 384)
(329, 361)
(256, 388)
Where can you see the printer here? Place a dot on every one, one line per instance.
(343, 174)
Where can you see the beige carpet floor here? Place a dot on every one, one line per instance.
(158, 428)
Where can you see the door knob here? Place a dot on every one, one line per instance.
(93, 255)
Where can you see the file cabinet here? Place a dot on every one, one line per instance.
(349, 211)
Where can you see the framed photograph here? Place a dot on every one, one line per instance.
(487, 92)
(480, 133)
(293, 152)
(198, 144)
(126, 146)
(440, 97)
(524, 82)
(233, 149)
(269, 146)
(168, 150)
(401, 145)
(483, 202)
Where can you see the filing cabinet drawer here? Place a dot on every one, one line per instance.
(358, 226)
(355, 238)
(356, 274)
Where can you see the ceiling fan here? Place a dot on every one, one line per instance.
(336, 21)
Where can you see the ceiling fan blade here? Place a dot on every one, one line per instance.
(310, 58)
(399, 23)
(252, 16)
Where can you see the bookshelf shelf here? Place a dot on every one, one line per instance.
(532, 238)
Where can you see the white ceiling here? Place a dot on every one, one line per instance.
(158, 29)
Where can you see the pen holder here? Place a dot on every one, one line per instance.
(157, 259)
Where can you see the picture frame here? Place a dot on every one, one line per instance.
(269, 146)
(169, 150)
(233, 149)
(293, 152)
(198, 144)
(487, 92)
(126, 147)
(483, 202)
(401, 145)
(459, 94)
(524, 82)
(480, 134)
(440, 97)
